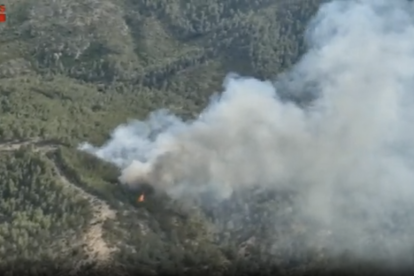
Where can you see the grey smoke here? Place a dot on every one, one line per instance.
(349, 153)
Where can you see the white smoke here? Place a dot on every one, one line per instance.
(348, 154)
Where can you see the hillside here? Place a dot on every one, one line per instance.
(70, 71)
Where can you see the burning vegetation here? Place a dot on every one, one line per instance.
(141, 198)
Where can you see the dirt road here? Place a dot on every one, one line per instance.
(96, 248)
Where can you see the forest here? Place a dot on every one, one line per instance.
(70, 71)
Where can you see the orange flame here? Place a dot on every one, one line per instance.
(141, 198)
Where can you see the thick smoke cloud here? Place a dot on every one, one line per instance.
(348, 153)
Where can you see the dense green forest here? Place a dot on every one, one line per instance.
(70, 71)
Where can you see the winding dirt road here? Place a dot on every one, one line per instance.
(97, 250)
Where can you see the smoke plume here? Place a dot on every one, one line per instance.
(348, 153)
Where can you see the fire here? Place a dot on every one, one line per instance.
(141, 198)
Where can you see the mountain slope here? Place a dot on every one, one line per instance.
(71, 71)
